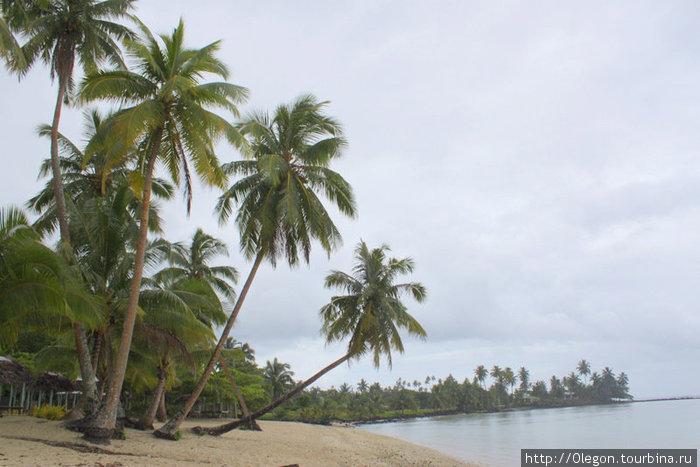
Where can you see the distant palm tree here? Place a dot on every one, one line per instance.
(370, 315)
(584, 369)
(524, 377)
(279, 210)
(509, 378)
(480, 374)
(362, 386)
(167, 116)
(497, 374)
(278, 376)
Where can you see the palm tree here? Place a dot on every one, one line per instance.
(524, 377)
(370, 315)
(167, 117)
(280, 212)
(362, 386)
(37, 288)
(509, 378)
(480, 374)
(497, 374)
(102, 222)
(180, 318)
(61, 32)
(193, 263)
(278, 376)
(584, 369)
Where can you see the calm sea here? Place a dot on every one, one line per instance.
(496, 438)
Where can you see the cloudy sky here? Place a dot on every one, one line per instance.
(538, 160)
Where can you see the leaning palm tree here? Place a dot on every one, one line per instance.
(166, 115)
(369, 314)
(279, 210)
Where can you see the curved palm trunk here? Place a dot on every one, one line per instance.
(244, 407)
(225, 428)
(101, 428)
(146, 421)
(168, 430)
(90, 397)
(162, 413)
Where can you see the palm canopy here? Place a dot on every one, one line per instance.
(88, 178)
(193, 263)
(279, 209)
(165, 109)
(59, 31)
(37, 287)
(372, 311)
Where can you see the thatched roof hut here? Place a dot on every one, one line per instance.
(49, 381)
(12, 372)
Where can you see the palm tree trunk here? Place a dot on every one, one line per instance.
(162, 413)
(244, 407)
(89, 399)
(101, 428)
(168, 430)
(225, 428)
(146, 421)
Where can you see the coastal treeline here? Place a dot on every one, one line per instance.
(487, 390)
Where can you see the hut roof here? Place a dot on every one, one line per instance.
(53, 381)
(12, 372)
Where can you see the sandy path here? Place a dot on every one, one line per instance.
(280, 443)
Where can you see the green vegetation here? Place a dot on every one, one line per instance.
(50, 412)
(430, 397)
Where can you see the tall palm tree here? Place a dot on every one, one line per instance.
(102, 222)
(61, 32)
(480, 374)
(370, 315)
(278, 376)
(167, 116)
(279, 210)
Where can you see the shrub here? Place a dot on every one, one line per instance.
(50, 412)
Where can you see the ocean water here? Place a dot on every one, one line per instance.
(496, 438)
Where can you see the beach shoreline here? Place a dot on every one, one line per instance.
(28, 441)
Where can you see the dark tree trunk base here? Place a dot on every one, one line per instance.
(165, 435)
(96, 435)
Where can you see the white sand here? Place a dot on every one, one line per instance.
(280, 443)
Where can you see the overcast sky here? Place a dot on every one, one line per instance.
(538, 160)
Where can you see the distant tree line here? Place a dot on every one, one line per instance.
(487, 390)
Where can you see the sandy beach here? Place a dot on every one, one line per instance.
(31, 441)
